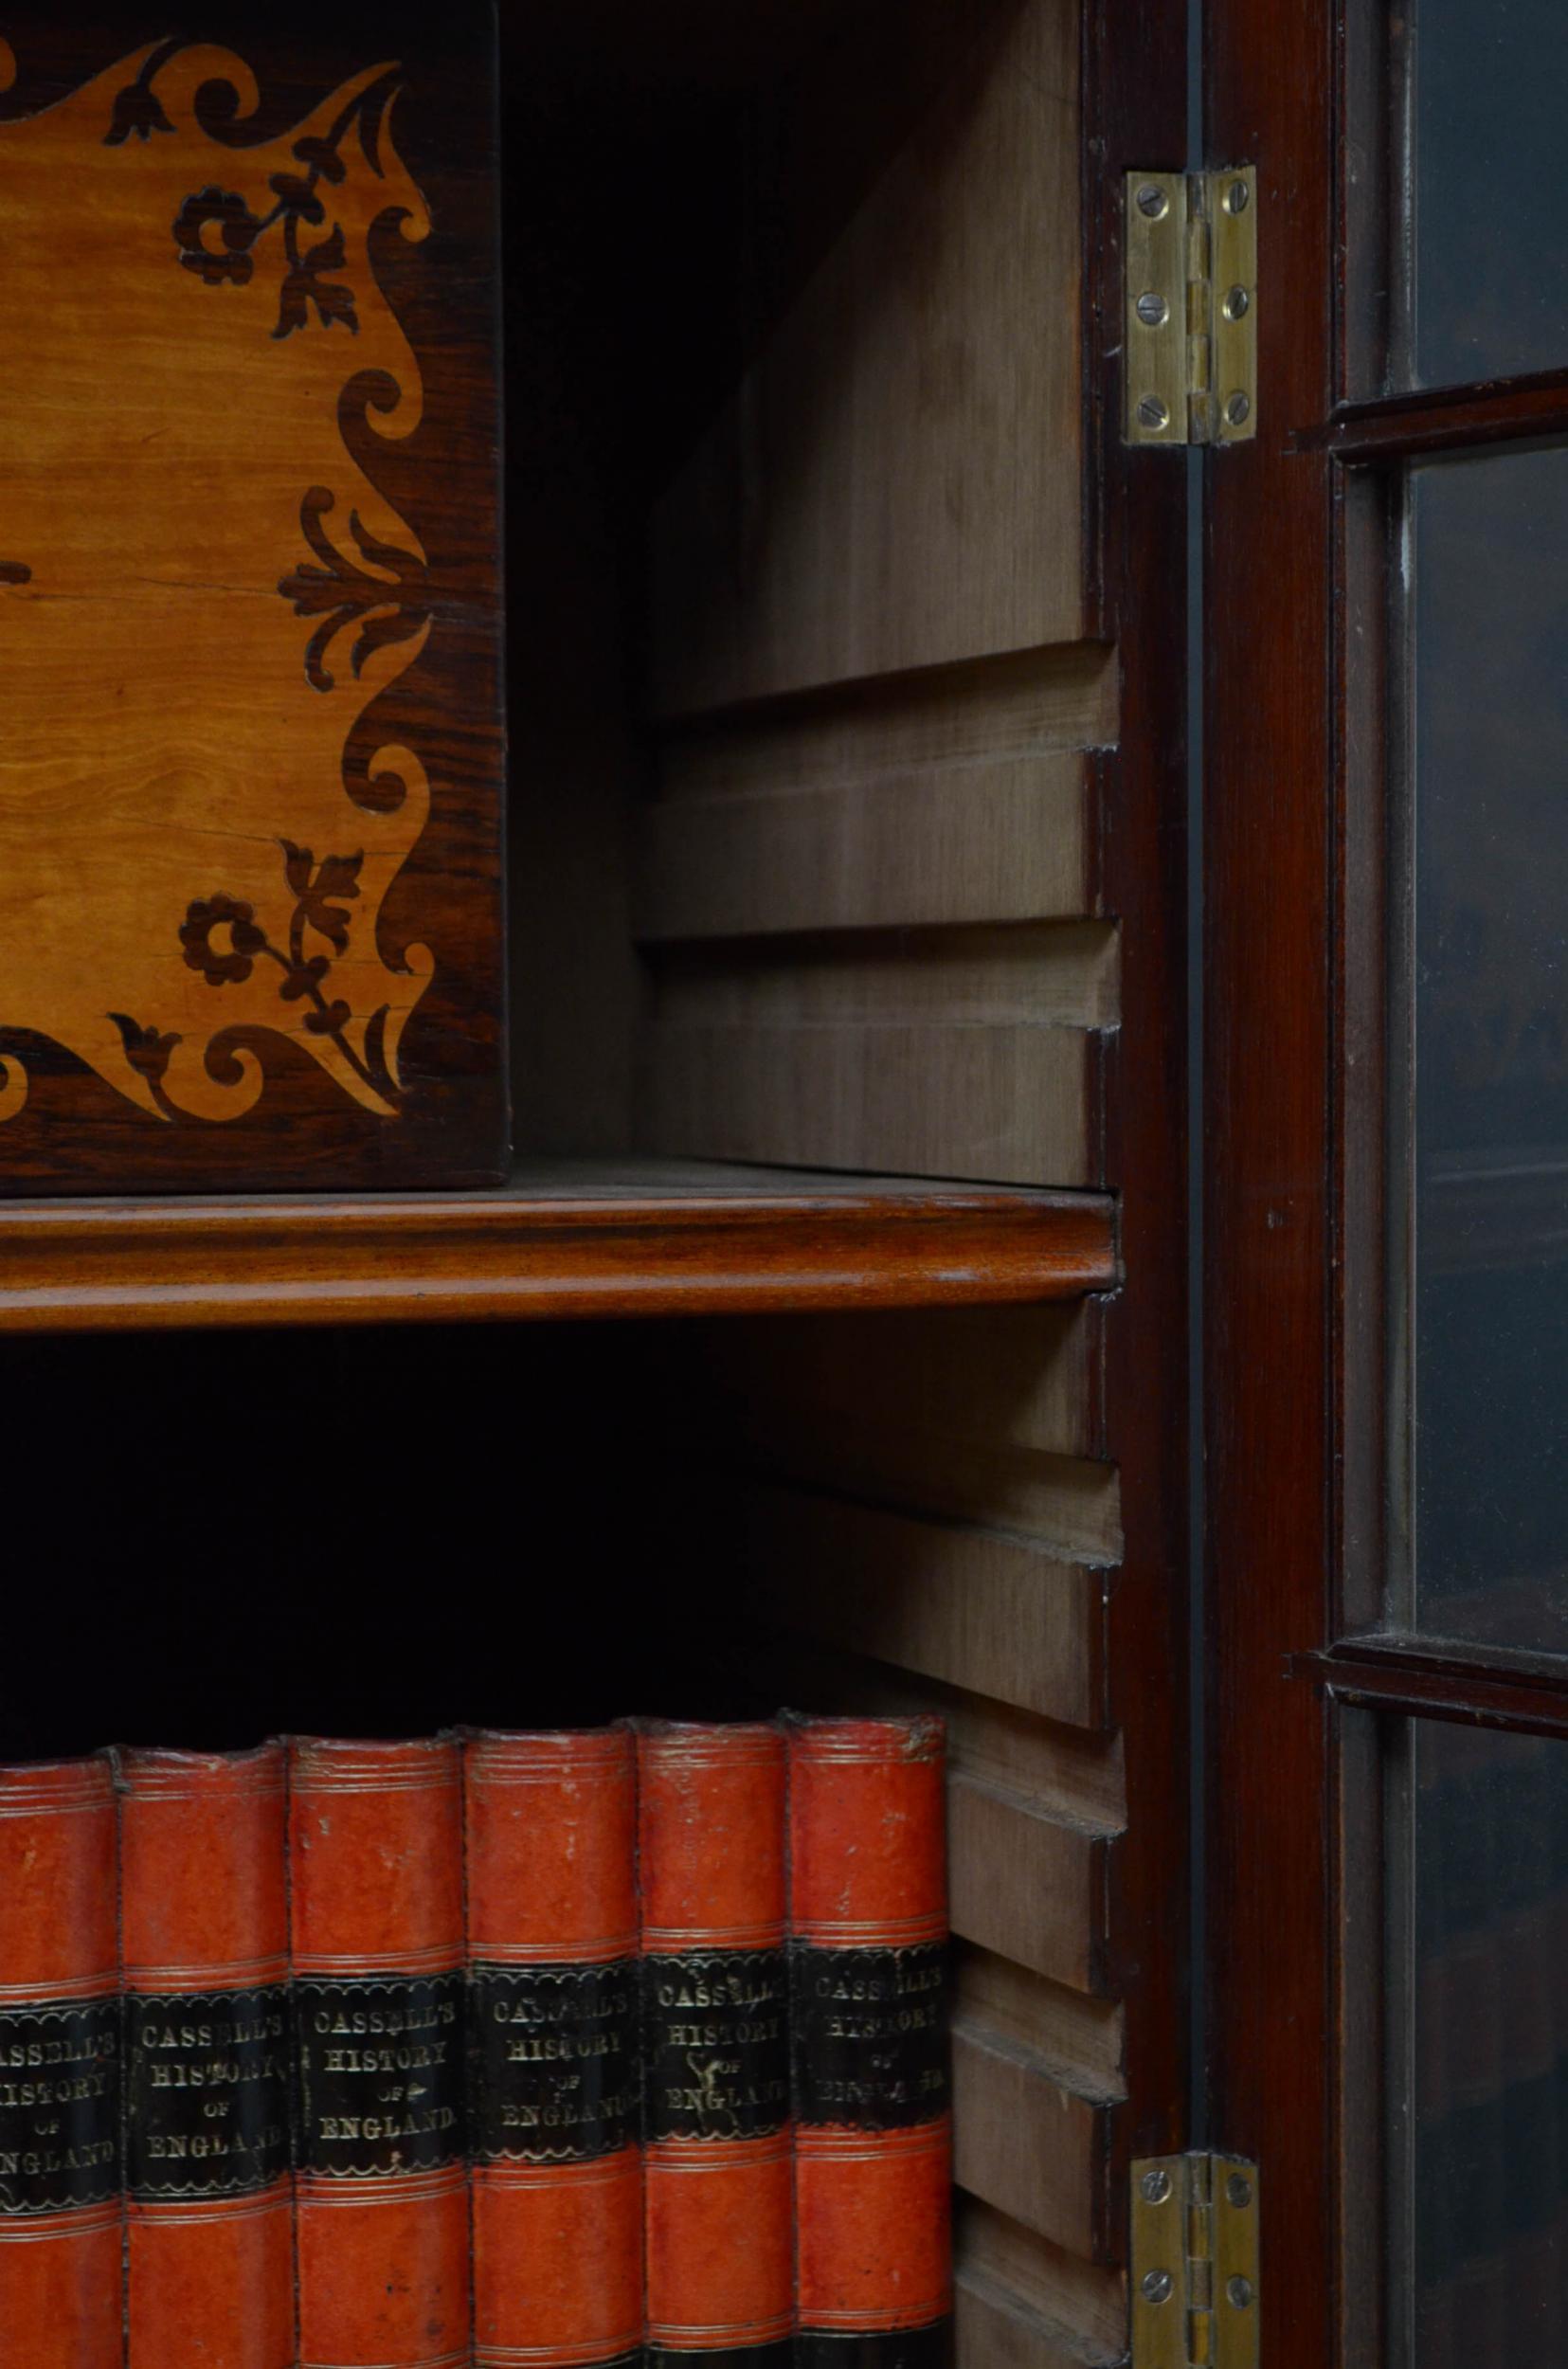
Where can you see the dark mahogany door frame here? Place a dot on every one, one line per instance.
(1270, 1217)
(1298, 749)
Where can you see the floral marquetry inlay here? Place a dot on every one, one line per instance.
(201, 591)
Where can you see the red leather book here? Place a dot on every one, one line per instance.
(869, 2016)
(716, 2045)
(59, 2158)
(205, 1939)
(376, 1857)
(552, 1851)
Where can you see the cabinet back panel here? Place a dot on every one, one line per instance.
(896, 482)
(877, 709)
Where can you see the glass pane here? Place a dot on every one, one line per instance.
(1488, 106)
(1489, 882)
(1480, 2028)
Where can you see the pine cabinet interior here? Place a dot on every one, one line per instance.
(840, 841)
(796, 453)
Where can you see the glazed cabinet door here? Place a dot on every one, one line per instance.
(1387, 1189)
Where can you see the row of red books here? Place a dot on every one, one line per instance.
(571, 2048)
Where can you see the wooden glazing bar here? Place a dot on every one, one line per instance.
(1444, 419)
(1431, 1685)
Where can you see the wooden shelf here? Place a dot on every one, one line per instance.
(557, 1240)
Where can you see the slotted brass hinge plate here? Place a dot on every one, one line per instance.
(1190, 327)
(1194, 2267)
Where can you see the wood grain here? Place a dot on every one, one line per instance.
(222, 617)
(549, 1245)
(1511, 1692)
(1077, 2038)
(1271, 1229)
(1024, 1380)
(1061, 974)
(1137, 541)
(919, 402)
(1024, 2302)
(1002, 841)
(996, 2325)
(820, 987)
(1072, 1775)
(1015, 703)
(950, 794)
(1070, 1505)
(1445, 419)
(842, 517)
(993, 1615)
(928, 1098)
(1024, 1885)
(1026, 1859)
(866, 882)
(1024, 2142)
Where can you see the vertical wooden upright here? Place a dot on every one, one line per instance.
(1272, 905)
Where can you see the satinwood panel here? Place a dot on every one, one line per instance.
(250, 613)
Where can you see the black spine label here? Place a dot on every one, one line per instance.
(380, 2071)
(58, 2106)
(207, 2083)
(870, 2036)
(552, 2058)
(717, 2043)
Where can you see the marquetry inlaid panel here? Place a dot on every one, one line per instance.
(248, 793)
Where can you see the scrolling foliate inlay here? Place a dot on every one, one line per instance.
(189, 862)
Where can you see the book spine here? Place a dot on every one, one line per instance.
(205, 1937)
(716, 2045)
(61, 2209)
(375, 1861)
(551, 1854)
(870, 2013)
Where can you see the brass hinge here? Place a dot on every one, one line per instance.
(1194, 2267)
(1191, 329)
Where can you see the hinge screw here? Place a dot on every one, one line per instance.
(1238, 198)
(1153, 414)
(1237, 409)
(1238, 2189)
(1158, 2286)
(1240, 2292)
(1155, 2186)
(1152, 201)
(1152, 310)
(1237, 303)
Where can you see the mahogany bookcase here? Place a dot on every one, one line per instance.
(847, 692)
